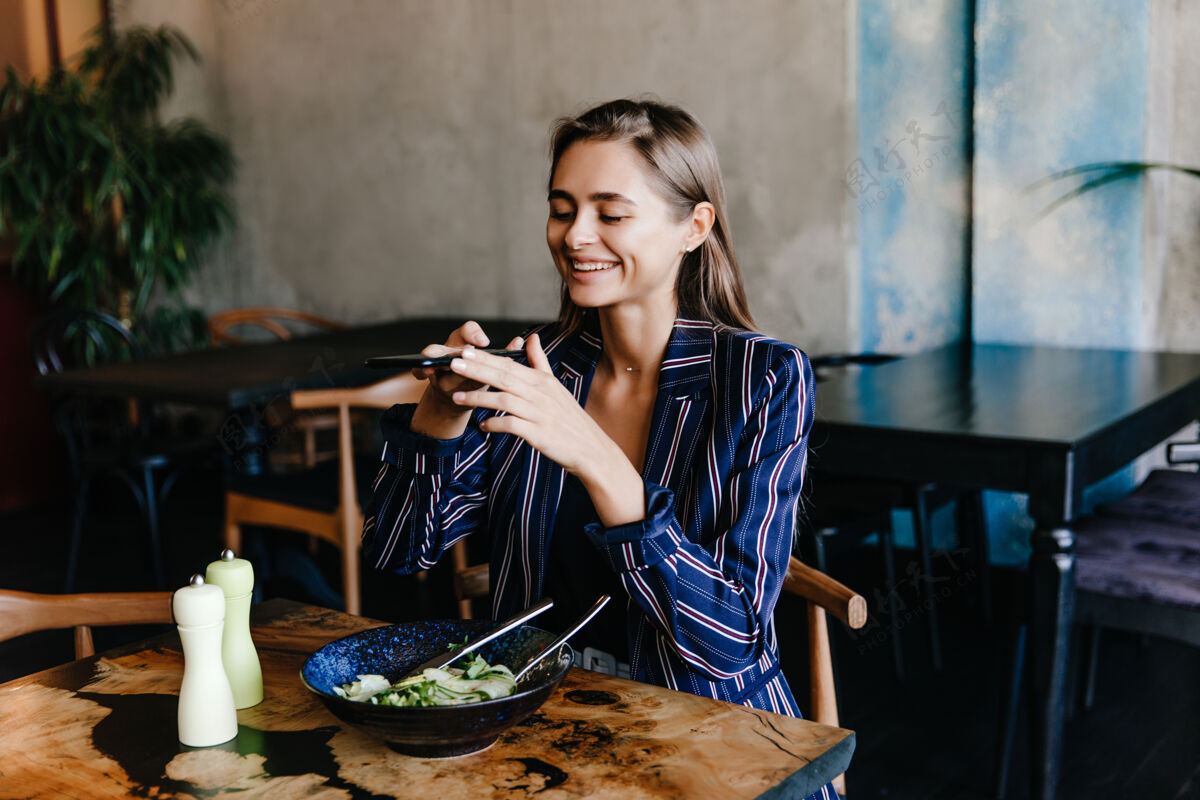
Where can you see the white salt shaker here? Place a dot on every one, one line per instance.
(206, 712)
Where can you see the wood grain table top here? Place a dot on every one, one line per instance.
(105, 727)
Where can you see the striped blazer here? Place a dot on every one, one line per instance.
(724, 467)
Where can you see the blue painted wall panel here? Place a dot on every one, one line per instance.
(910, 178)
(1059, 84)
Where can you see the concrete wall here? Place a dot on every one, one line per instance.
(1171, 285)
(393, 154)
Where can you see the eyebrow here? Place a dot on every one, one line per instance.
(597, 197)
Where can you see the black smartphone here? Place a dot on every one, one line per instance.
(414, 360)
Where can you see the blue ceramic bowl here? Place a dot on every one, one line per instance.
(435, 731)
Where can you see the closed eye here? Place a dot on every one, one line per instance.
(610, 219)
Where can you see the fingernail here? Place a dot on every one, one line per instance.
(459, 396)
(458, 365)
(520, 343)
(468, 352)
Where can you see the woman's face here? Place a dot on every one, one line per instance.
(613, 238)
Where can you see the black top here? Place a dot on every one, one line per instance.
(576, 576)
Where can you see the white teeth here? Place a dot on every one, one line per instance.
(592, 266)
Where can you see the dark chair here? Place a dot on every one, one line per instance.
(856, 508)
(228, 328)
(118, 436)
(1139, 562)
(1137, 568)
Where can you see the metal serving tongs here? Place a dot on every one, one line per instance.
(452, 654)
(561, 640)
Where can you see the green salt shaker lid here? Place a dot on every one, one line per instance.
(234, 575)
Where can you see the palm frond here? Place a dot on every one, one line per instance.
(1112, 171)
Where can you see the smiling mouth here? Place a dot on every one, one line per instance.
(593, 266)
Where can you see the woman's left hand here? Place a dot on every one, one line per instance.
(541, 411)
(537, 408)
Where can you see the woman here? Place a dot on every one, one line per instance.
(653, 446)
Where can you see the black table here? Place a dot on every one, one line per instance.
(247, 378)
(1043, 421)
(257, 374)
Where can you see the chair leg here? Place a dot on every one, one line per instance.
(922, 535)
(81, 495)
(160, 580)
(350, 582)
(1093, 659)
(820, 553)
(233, 535)
(888, 551)
(1004, 751)
(972, 522)
(1071, 683)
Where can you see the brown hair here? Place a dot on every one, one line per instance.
(682, 162)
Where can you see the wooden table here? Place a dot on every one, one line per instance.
(1044, 421)
(104, 727)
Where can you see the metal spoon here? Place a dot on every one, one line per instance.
(453, 654)
(561, 640)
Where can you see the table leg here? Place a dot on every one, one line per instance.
(1052, 568)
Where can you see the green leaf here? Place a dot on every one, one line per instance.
(1111, 171)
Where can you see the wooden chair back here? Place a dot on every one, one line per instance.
(824, 594)
(266, 318)
(471, 581)
(403, 388)
(26, 612)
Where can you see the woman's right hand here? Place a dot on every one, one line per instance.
(437, 415)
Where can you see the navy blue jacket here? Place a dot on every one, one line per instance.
(724, 467)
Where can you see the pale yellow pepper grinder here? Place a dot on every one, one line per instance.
(235, 576)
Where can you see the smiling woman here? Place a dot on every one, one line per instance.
(651, 446)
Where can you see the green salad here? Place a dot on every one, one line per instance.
(435, 687)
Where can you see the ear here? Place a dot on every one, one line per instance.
(698, 225)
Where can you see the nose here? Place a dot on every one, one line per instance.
(580, 234)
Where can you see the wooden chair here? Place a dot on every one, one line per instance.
(266, 318)
(471, 581)
(221, 327)
(26, 612)
(822, 593)
(325, 501)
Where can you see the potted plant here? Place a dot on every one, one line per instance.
(105, 204)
